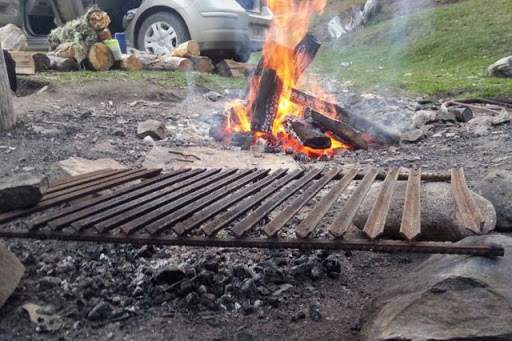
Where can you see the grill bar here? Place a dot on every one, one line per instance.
(210, 212)
(146, 220)
(230, 216)
(273, 243)
(128, 194)
(9, 216)
(69, 179)
(77, 182)
(125, 210)
(272, 203)
(410, 228)
(308, 225)
(287, 214)
(164, 209)
(466, 205)
(374, 226)
(344, 218)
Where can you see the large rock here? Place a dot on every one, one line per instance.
(153, 128)
(11, 271)
(449, 298)
(22, 191)
(13, 38)
(502, 68)
(77, 165)
(497, 188)
(439, 216)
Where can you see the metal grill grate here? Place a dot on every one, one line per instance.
(231, 207)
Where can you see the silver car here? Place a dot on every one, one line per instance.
(223, 28)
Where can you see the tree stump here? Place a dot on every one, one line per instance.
(7, 115)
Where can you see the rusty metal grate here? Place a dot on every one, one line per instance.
(231, 208)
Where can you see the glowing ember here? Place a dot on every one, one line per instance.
(289, 28)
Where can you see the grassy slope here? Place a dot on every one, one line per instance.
(440, 51)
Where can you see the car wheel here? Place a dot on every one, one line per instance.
(242, 55)
(161, 32)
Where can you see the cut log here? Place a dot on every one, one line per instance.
(63, 64)
(11, 70)
(267, 101)
(230, 68)
(129, 63)
(202, 64)
(99, 58)
(339, 129)
(7, 114)
(98, 19)
(29, 63)
(104, 34)
(376, 133)
(77, 51)
(309, 135)
(146, 58)
(169, 63)
(187, 50)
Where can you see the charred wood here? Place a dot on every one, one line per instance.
(267, 101)
(377, 133)
(309, 135)
(339, 129)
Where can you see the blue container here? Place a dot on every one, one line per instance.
(121, 38)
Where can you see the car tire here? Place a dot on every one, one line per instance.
(243, 55)
(176, 32)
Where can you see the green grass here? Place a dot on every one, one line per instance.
(441, 51)
(164, 78)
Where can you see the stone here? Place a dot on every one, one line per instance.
(153, 128)
(13, 38)
(11, 271)
(423, 117)
(502, 68)
(43, 317)
(502, 118)
(412, 135)
(314, 312)
(440, 220)
(22, 191)
(169, 275)
(480, 126)
(100, 312)
(243, 336)
(496, 187)
(47, 132)
(213, 96)
(448, 297)
(77, 165)
(282, 289)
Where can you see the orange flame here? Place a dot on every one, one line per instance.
(291, 24)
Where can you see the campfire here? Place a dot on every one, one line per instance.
(276, 108)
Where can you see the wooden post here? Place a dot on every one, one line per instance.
(7, 116)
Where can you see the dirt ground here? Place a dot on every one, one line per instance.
(99, 120)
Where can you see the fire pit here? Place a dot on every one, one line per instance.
(287, 118)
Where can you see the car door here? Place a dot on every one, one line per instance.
(10, 12)
(66, 10)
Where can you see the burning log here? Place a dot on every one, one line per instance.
(309, 135)
(267, 101)
(378, 133)
(339, 129)
(305, 52)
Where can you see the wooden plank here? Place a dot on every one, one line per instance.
(344, 218)
(468, 209)
(272, 203)
(410, 228)
(287, 214)
(374, 226)
(308, 225)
